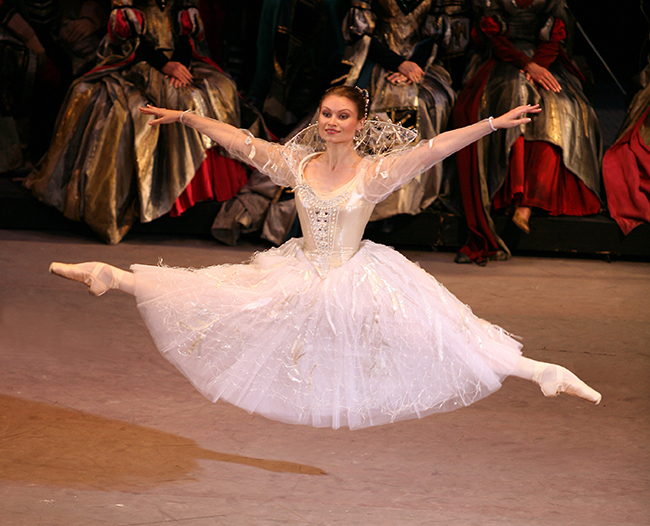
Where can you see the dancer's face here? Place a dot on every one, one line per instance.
(338, 119)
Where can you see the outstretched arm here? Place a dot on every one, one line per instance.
(387, 174)
(224, 134)
(264, 156)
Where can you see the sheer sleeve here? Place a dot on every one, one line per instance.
(269, 158)
(387, 173)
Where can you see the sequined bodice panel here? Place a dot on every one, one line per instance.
(332, 224)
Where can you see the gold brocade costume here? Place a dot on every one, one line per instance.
(106, 166)
(567, 120)
(425, 106)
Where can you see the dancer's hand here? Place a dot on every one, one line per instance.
(516, 116)
(411, 71)
(178, 74)
(163, 115)
(542, 76)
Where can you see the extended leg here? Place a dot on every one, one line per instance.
(99, 277)
(554, 379)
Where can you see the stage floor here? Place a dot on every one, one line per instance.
(97, 428)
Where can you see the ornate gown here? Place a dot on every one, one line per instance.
(382, 34)
(551, 163)
(326, 330)
(106, 166)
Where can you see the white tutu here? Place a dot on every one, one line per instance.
(374, 341)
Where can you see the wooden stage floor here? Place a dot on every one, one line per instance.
(97, 428)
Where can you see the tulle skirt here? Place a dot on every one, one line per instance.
(374, 341)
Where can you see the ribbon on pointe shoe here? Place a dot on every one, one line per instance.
(96, 285)
(554, 379)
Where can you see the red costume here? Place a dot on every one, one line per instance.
(553, 162)
(626, 166)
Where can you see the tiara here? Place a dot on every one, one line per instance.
(364, 92)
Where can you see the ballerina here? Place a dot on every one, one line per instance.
(329, 330)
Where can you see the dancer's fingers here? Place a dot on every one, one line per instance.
(149, 109)
(528, 108)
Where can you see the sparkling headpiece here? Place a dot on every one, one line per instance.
(376, 138)
(366, 96)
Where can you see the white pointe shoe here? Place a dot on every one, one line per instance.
(96, 287)
(560, 380)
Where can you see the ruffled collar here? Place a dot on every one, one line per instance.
(377, 138)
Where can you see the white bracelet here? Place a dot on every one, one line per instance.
(489, 122)
(180, 119)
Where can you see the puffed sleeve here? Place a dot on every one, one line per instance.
(359, 21)
(189, 22)
(358, 28)
(437, 25)
(125, 22)
(552, 35)
(272, 159)
(387, 173)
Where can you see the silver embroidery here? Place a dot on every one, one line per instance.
(323, 216)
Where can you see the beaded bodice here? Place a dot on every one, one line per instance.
(332, 224)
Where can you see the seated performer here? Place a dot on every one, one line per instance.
(105, 166)
(394, 51)
(44, 44)
(626, 165)
(551, 164)
(329, 330)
